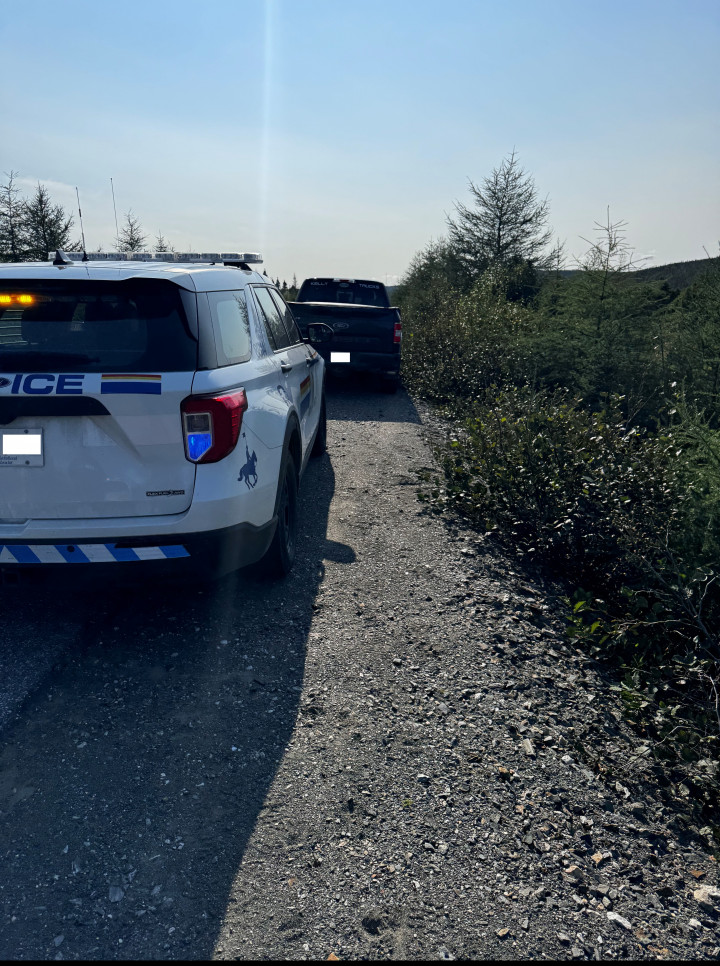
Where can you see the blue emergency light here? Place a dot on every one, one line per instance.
(198, 444)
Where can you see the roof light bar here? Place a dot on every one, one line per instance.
(203, 258)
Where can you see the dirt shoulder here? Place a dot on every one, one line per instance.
(396, 754)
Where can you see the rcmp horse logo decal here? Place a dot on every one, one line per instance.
(248, 472)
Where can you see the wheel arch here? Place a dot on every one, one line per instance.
(293, 442)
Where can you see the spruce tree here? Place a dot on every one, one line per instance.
(13, 243)
(131, 237)
(46, 226)
(161, 245)
(506, 223)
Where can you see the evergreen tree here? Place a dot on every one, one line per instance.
(13, 243)
(131, 237)
(161, 245)
(506, 223)
(46, 226)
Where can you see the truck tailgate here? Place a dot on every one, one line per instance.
(358, 328)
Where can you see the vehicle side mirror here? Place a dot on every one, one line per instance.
(318, 332)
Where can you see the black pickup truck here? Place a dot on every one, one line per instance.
(367, 329)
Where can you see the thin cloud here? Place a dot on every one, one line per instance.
(51, 185)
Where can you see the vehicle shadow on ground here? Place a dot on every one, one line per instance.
(133, 777)
(359, 398)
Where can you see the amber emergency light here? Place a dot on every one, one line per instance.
(12, 298)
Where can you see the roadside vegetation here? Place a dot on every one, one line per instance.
(584, 433)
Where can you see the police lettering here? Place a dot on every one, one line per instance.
(45, 384)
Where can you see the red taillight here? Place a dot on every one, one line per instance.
(397, 334)
(211, 425)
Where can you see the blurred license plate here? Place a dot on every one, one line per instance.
(21, 448)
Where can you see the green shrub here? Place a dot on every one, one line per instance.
(632, 517)
(457, 345)
(565, 446)
(583, 491)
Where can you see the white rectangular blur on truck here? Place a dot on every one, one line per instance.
(367, 330)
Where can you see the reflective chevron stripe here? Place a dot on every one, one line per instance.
(34, 553)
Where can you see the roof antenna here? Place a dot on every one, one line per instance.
(117, 230)
(82, 230)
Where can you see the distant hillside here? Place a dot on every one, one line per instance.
(678, 275)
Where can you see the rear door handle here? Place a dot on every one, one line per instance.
(312, 361)
(285, 366)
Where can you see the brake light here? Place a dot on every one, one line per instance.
(397, 334)
(211, 425)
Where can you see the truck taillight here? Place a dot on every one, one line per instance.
(211, 425)
(397, 334)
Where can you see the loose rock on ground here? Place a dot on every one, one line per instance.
(399, 755)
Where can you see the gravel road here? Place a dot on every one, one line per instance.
(395, 753)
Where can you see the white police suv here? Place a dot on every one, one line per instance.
(156, 415)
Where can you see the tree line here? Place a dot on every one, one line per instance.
(584, 434)
(32, 228)
(497, 281)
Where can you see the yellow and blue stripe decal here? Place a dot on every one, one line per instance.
(304, 394)
(47, 553)
(130, 382)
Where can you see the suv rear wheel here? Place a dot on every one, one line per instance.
(280, 555)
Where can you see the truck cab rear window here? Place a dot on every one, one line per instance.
(94, 327)
(335, 290)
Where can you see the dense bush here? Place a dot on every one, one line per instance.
(459, 344)
(578, 488)
(585, 435)
(601, 332)
(693, 342)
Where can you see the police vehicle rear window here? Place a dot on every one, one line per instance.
(94, 327)
(230, 314)
(337, 290)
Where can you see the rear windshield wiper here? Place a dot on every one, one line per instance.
(36, 359)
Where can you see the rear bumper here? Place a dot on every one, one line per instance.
(387, 363)
(210, 555)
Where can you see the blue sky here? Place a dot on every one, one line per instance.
(335, 137)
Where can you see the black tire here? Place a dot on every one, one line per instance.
(280, 555)
(320, 443)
